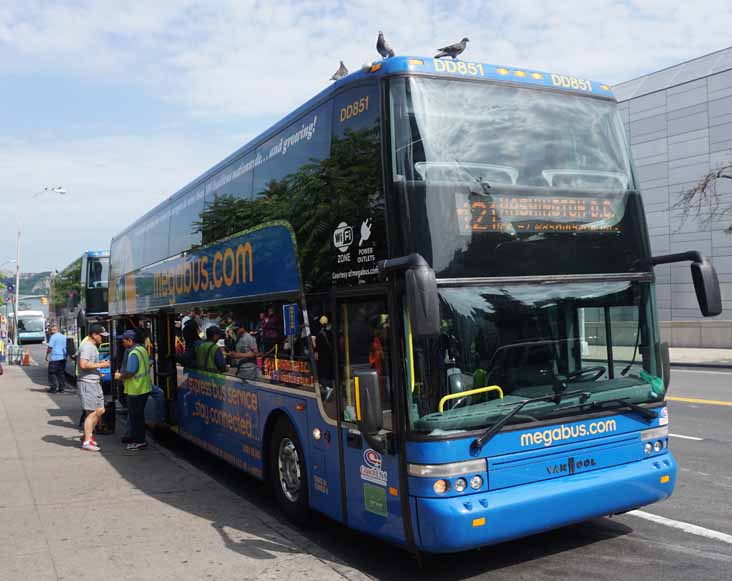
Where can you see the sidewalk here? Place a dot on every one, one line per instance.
(701, 357)
(70, 514)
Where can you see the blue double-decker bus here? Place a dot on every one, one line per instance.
(78, 299)
(436, 290)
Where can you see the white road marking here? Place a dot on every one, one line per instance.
(687, 437)
(684, 526)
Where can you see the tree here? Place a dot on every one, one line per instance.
(705, 201)
(313, 200)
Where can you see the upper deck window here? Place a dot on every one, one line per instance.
(447, 130)
(502, 180)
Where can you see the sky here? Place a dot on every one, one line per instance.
(122, 103)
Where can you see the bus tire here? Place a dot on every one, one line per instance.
(288, 472)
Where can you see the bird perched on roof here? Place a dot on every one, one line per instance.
(384, 47)
(452, 50)
(340, 73)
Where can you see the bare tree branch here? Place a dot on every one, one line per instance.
(704, 202)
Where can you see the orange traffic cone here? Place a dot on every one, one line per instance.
(26, 357)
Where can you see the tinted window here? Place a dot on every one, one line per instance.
(184, 212)
(155, 237)
(305, 141)
(356, 209)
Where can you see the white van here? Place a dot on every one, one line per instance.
(31, 327)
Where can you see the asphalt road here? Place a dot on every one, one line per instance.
(624, 547)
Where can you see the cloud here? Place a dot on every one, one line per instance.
(248, 58)
(111, 182)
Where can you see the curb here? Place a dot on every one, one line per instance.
(727, 366)
(282, 528)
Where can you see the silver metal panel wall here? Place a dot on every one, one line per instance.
(678, 131)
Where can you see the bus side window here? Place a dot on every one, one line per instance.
(363, 344)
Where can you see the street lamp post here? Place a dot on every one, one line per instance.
(55, 190)
(3, 263)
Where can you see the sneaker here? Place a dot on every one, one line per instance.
(93, 442)
(126, 440)
(89, 446)
(136, 446)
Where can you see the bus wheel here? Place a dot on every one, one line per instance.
(288, 473)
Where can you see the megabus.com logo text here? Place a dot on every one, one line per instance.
(201, 273)
(564, 432)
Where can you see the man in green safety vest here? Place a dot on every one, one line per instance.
(209, 356)
(138, 385)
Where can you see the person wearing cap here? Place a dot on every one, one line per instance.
(89, 384)
(137, 388)
(209, 356)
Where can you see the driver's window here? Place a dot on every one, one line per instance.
(612, 339)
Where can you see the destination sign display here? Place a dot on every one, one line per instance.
(537, 213)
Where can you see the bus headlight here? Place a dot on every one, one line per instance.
(441, 486)
(476, 482)
(653, 439)
(461, 484)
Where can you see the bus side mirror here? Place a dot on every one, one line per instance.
(706, 285)
(81, 320)
(421, 287)
(368, 402)
(70, 347)
(706, 282)
(368, 408)
(423, 301)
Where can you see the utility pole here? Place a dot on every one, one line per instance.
(17, 287)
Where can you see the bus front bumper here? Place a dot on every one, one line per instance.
(466, 522)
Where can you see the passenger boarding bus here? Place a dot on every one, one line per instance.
(78, 299)
(446, 270)
(31, 327)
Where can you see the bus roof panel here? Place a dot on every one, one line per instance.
(473, 70)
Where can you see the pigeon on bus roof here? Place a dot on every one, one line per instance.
(384, 47)
(452, 50)
(340, 73)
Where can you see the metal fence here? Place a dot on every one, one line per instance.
(14, 354)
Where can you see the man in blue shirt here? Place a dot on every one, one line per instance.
(56, 357)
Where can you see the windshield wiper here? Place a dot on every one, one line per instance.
(623, 403)
(477, 445)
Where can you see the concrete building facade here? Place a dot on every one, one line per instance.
(679, 124)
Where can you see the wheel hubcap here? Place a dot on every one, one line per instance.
(288, 462)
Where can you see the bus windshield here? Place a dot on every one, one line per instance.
(508, 136)
(514, 181)
(98, 274)
(534, 340)
(31, 324)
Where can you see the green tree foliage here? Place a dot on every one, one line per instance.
(313, 200)
(66, 288)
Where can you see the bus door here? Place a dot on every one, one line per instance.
(371, 477)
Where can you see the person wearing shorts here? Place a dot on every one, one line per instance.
(89, 384)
